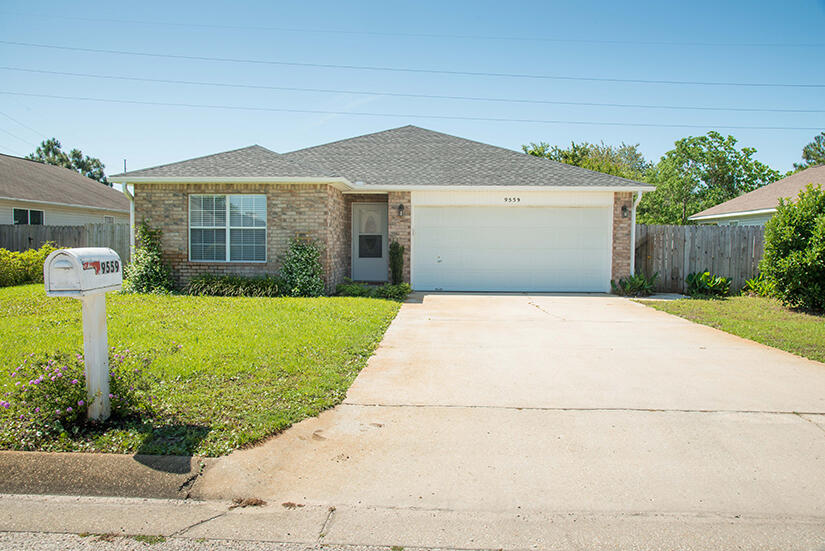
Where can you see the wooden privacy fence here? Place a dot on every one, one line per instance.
(676, 251)
(24, 237)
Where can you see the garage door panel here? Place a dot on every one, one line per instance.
(511, 249)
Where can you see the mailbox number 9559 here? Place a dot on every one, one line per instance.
(109, 267)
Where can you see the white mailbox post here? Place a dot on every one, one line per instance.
(88, 274)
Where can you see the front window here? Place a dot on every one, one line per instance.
(227, 228)
(28, 216)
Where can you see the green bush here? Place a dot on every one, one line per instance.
(759, 286)
(48, 402)
(301, 269)
(18, 268)
(638, 285)
(235, 286)
(393, 292)
(705, 284)
(396, 262)
(794, 260)
(352, 289)
(147, 272)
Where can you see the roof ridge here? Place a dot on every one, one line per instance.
(333, 142)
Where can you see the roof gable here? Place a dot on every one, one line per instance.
(247, 162)
(767, 197)
(28, 180)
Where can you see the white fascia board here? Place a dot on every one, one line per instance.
(57, 204)
(340, 183)
(640, 188)
(732, 214)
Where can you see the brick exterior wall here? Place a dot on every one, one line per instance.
(621, 235)
(310, 210)
(400, 226)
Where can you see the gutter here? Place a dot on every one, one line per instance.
(732, 214)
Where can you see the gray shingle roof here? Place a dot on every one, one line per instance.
(406, 156)
(250, 162)
(414, 156)
(32, 181)
(767, 197)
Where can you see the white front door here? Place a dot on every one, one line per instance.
(369, 242)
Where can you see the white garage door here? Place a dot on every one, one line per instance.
(511, 249)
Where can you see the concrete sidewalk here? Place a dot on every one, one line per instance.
(201, 525)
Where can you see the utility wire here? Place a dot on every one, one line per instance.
(14, 151)
(407, 95)
(401, 115)
(39, 134)
(396, 34)
(411, 69)
(25, 141)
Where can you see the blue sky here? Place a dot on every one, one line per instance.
(731, 41)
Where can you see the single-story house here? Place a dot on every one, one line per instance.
(471, 216)
(40, 194)
(757, 207)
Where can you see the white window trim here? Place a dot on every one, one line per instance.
(29, 216)
(227, 228)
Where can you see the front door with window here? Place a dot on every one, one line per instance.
(369, 242)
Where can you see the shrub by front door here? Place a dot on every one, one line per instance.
(369, 242)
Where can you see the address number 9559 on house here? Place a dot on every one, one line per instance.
(81, 272)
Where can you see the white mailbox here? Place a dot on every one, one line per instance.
(88, 274)
(82, 272)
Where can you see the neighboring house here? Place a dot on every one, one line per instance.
(40, 194)
(471, 216)
(757, 207)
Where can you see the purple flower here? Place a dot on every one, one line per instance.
(37, 410)
(74, 381)
(53, 378)
(57, 411)
(4, 404)
(81, 403)
(111, 395)
(69, 409)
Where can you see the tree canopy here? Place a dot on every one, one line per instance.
(623, 160)
(813, 153)
(698, 173)
(50, 152)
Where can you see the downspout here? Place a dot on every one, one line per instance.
(633, 233)
(130, 195)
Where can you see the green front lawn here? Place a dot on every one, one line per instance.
(225, 372)
(762, 320)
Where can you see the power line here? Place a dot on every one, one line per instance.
(411, 69)
(407, 95)
(396, 34)
(402, 115)
(39, 134)
(12, 150)
(16, 136)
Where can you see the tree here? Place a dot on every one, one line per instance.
(813, 154)
(623, 160)
(50, 152)
(700, 172)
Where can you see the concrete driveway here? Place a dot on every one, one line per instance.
(521, 421)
